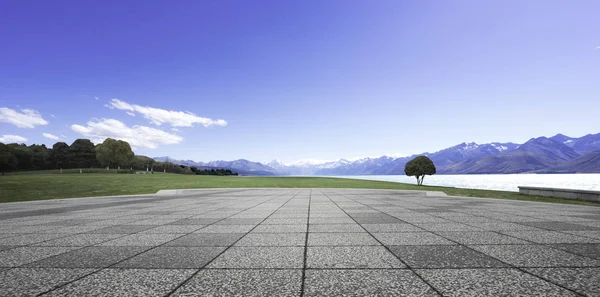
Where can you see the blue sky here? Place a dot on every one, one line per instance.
(298, 79)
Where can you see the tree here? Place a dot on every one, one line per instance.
(419, 167)
(114, 153)
(82, 154)
(8, 160)
(40, 156)
(59, 155)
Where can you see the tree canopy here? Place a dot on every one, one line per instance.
(419, 167)
(113, 152)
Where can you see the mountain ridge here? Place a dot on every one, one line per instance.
(556, 154)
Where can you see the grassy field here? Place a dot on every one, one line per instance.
(26, 187)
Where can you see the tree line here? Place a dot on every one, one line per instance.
(220, 172)
(82, 153)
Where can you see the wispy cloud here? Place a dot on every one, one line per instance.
(130, 113)
(162, 116)
(12, 139)
(27, 118)
(137, 136)
(48, 135)
(97, 98)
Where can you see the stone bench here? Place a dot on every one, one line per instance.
(561, 193)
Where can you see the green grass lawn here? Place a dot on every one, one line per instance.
(25, 187)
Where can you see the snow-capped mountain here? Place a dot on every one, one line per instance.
(468, 157)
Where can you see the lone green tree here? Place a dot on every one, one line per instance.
(419, 167)
(113, 152)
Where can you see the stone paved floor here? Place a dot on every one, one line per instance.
(292, 242)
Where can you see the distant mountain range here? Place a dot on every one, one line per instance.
(557, 154)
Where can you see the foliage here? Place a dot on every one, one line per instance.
(113, 152)
(220, 172)
(419, 167)
(82, 154)
(59, 156)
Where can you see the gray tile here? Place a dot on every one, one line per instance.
(588, 234)
(377, 219)
(560, 226)
(122, 229)
(27, 239)
(582, 280)
(548, 237)
(80, 240)
(173, 258)
(141, 240)
(481, 238)
(340, 239)
(498, 226)
(226, 229)
(447, 227)
(489, 282)
(273, 239)
(365, 283)
(336, 228)
(329, 221)
(195, 221)
(235, 282)
(7, 247)
(88, 257)
(534, 256)
(444, 256)
(289, 221)
(170, 229)
(207, 239)
(590, 250)
(34, 281)
(126, 282)
(74, 229)
(280, 229)
(391, 228)
(260, 257)
(240, 221)
(411, 238)
(23, 255)
(352, 257)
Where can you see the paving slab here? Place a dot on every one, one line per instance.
(490, 282)
(235, 282)
(441, 256)
(33, 281)
(89, 257)
(585, 281)
(261, 242)
(359, 257)
(361, 283)
(173, 257)
(260, 257)
(125, 282)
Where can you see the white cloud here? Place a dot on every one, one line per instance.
(137, 136)
(131, 113)
(161, 116)
(48, 135)
(12, 139)
(52, 115)
(27, 118)
(174, 129)
(96, 98)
